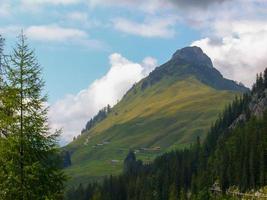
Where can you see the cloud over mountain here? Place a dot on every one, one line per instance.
(72, 112)
(237, 48)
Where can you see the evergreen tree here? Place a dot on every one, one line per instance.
(1, 51)
(129, 163)
(265, 78)
(173, 193)
(1, 63)
(29, 165)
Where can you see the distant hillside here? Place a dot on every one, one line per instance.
(169, 109)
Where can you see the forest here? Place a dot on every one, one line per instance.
(234, 155)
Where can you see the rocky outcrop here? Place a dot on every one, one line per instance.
(258, 104)
(241, 119)
(193, 55)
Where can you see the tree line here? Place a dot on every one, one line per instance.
(100, 116)
(234, 153)
(30, 165)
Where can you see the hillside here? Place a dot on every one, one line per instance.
(169, 109)
(231, 163)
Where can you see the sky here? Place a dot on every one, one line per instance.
(93, 51)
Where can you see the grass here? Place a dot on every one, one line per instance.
(170, 115)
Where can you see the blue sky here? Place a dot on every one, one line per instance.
(70, 67)
(92, 51)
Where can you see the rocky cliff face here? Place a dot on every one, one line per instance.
(256, 107)
(258, 104)
(193, 55)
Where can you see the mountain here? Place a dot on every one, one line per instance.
(191, 61)
(167, 110)
(231, 163)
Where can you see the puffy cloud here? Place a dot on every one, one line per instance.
(5, 9)
(196, 3)
(54, 33)
(68, 36)
(148, 5)
(11, 30)
(154, 27)
(156, 5)
(237, 48)
(53, 2)
(72, 112)
(78, 16)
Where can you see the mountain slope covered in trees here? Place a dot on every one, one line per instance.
(231, 161)
(169, 109)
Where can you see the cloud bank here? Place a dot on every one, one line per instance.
(5, 9)
(52, 2)
(72, 112)
(54, 33)
(238, 49)
(156, 5)
(155, 27)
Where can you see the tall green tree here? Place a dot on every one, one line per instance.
(265, 78)
(2, 40)
(29, 161)
(173, 194)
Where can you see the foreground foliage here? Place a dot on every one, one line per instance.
(29, 161)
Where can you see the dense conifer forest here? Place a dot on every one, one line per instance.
(234, 154)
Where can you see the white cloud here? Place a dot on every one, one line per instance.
(148, 6)
(78, 16)
(152, 6)
(5, 9)
(54, 33)
(72, 112)
(237, 48)
(10, 31)
(53, 2)
(153, 27)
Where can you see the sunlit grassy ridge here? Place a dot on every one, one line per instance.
(169, 114)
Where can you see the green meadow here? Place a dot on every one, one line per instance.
(168, 115)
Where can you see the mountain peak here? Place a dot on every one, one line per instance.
(192, 61)
(193, 55)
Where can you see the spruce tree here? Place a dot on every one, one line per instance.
(173, 192)
(1, 50)
(265, 78)
(2, 41)
(29, 165)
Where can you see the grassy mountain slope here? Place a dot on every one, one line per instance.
(167, 115)
(231, 163)
(161, 112)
